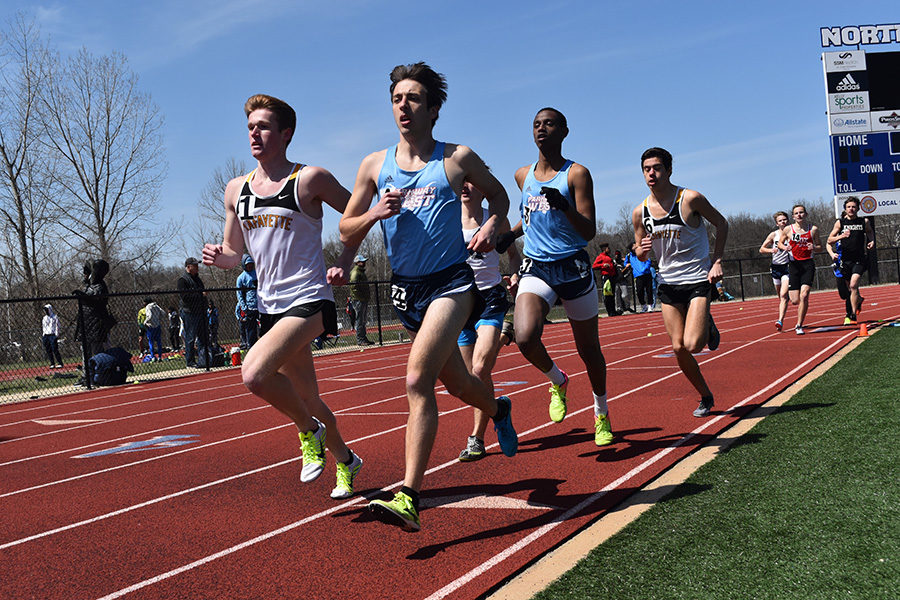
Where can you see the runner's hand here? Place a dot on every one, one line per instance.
(555, 199)
(336, 276)
(210, 252)
(388, 205)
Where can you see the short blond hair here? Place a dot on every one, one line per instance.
(284, 114)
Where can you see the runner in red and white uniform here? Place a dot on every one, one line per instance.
(802, 241)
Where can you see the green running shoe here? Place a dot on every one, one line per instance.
(399, 511)
(345, 476)
(603, 435)
(313, 451)
(558, 400)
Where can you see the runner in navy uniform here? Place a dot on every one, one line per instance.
(416, 186)
(857, 238)
(670, 222)
(276, 212)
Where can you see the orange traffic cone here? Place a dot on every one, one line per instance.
(863, 330)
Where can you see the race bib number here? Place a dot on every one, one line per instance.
(398, 297)
(526, 266)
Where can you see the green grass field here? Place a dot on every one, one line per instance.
(806, 505)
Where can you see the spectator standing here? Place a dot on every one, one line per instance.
(604, 263)
(643, 282)
(193, 311)
(623, 299)
(96, 322)
(359, 297)
(212, 315)
(174, 329)
(50, 331)
(655, 283)
(247, 309)
(142, 330)
(153, 318)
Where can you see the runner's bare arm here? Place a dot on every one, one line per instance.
(698, 203)
(227, 255)
(816, 242)
(835, 234)
(360, 214)
(870, 235)
(641, 236)
(769, 245)
(463, 164)
(582, 216)
(321, 185)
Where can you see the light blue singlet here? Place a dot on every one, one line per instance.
(426, 236)
(548, 234)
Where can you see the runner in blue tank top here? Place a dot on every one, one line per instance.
(417, 184)
(558, 219)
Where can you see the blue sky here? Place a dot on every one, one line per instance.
(734, 90)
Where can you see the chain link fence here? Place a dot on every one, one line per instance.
(30, 370)
(26, 371)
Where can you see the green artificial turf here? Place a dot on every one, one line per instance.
(806, 505)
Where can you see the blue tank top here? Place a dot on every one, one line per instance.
(426, 236)
(548, 233)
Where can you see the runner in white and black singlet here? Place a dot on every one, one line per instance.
(276, 213)
(857, 238)
(415, 185)
(802, 241)
(479, 343)
(780, 260)
(670, 221)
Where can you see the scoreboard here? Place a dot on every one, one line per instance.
(866, 162)
(863, 91)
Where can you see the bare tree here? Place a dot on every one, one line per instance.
(210, 223)
(26, 225)
(106, 134)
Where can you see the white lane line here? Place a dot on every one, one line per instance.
(521, 544)
(572, 512)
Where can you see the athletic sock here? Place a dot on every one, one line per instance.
(600, 405)
(555, 376)
(349, 461)
(413, 495)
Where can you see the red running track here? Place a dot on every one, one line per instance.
(190, 488)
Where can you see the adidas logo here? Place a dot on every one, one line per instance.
(847, 84)
(389, 179)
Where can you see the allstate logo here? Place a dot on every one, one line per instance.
(868, 204)
(838, 122)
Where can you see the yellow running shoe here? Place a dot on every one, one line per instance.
(399, 511)
(603, 435)
(313, 451)
(558, 400)
(346, 474)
